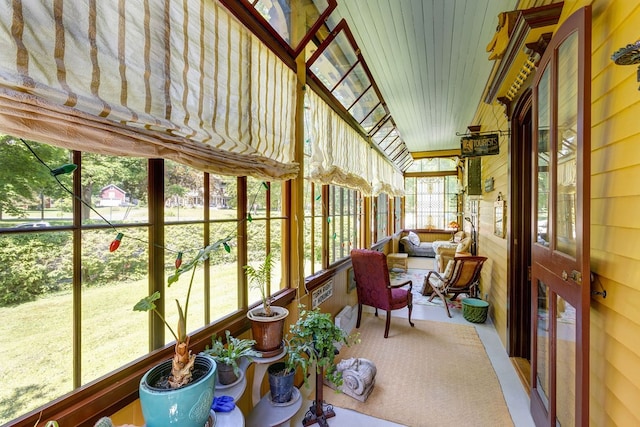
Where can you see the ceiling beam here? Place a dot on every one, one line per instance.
(437, 153)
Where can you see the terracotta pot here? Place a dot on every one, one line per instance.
(268, 331)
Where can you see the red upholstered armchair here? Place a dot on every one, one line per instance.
(374, 287)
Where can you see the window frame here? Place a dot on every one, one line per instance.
(120, 387)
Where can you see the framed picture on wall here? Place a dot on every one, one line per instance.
(351, 280)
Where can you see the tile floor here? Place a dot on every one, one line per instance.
(514, 393)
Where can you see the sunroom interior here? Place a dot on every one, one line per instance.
(135, 134)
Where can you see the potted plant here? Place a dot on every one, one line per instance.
(179, 391)
(227, 356)
(311, 341)
(267, 322)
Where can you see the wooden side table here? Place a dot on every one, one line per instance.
(398, 261)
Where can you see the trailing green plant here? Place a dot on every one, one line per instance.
(183, 360)
(312, 340)
(259, 278)
(230, 353)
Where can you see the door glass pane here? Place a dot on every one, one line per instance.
(565, 226)
(544, 120)
(565, 362)
(543, 355)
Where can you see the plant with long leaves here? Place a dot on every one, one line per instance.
(259, 278)
(183, 360)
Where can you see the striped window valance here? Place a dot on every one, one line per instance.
(340, 156)
(181, 80)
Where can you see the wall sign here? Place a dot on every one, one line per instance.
(322, 293)
(479, 145)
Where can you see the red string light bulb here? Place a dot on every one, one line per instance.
(116, 243)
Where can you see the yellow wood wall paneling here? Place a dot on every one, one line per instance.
(619, 154)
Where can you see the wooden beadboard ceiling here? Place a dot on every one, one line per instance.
(428, 59)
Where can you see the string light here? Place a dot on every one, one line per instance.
(64, 169)
(116, 243)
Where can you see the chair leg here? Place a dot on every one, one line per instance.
(376, 311)
(386, 328)
(443, 298)
(410, 307)
(359, 315)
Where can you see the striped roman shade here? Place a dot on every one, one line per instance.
(174, 79)
(339, 155)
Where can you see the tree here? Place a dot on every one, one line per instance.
(23, 178)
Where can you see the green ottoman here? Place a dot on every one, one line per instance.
(475, 310)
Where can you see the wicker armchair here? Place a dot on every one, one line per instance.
(461, 276)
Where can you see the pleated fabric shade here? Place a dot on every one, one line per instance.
(182, 80)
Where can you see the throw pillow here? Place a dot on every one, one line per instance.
(414, 239)
(458, 236)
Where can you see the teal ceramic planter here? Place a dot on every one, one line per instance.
(187, 406)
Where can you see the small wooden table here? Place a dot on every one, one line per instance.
(398, 261)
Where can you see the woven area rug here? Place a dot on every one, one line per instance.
(436, 374)
(417, 277)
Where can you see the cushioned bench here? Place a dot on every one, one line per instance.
(414, 247)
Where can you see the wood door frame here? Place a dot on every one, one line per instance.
(564, 275)
(520, 190)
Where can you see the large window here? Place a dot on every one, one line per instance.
(345, 210)
(431, 194)
(63, 291)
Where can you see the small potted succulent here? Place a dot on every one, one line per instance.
(179, 391)
(227, 356)
(267, 321)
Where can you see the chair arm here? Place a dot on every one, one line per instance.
(437, 274)
(399, 285)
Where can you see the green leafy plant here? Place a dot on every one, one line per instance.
(183, 360)
(259, 278)
(230, 353)
(312, 340)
